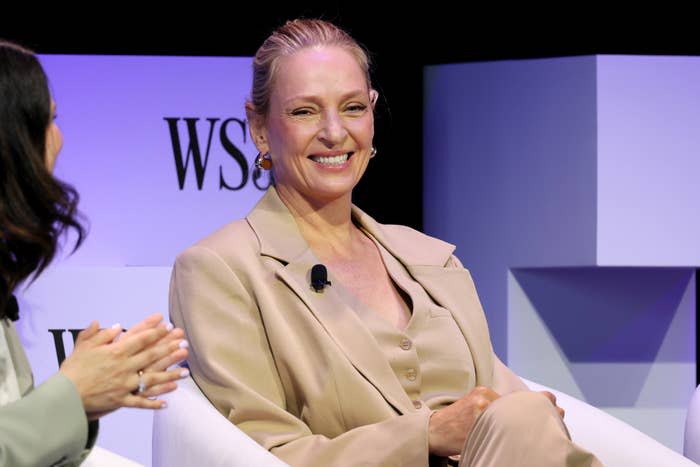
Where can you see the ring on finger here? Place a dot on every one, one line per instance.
(142, 383)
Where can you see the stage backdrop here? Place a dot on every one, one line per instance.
(570, 188)
(158, 149)
(555, 179)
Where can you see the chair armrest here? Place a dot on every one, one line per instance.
(190, 431)
(612, 440)
(691, 443)
(100, 457)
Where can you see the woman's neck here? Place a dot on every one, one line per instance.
(326, 225)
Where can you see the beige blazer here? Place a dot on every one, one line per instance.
(47, 426)
(295, 369)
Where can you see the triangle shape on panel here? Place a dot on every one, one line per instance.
(532, 350)
(605, 314)
(679, 343)
(611, 384)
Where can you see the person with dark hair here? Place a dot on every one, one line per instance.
(56, 422)
(387, 360)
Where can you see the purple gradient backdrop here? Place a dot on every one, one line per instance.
(510, 168)
(119, 156)
(551, 168)
(648, 161)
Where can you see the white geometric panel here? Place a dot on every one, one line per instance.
(532, 350)
(668, 385)
(651, 396)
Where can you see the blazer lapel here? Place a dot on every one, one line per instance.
(280, 238)
(25, 379)
(452, 288)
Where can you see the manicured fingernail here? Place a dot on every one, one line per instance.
(184, 344)
(163, 405)
(116, 326)
(184, 373)
(169, 326)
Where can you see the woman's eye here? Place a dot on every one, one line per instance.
(301, 112)
(356, 108)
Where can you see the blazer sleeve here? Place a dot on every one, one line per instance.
(47, 426)
(232, 363)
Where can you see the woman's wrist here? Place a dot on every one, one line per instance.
(434, 438)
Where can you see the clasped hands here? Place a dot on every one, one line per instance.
(113, 369)
(450, 427)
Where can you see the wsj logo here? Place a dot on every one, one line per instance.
(194, 152)
(58, 342)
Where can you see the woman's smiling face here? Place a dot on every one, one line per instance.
(320, 123)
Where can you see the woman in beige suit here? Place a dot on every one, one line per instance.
(56, 422)
(388, 363)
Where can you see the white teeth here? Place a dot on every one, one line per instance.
(333, 160)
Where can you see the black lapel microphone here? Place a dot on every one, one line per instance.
(319, 277)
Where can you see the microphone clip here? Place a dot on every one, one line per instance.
(319, 278)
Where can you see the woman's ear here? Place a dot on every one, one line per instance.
(373, 96)
(256, 127)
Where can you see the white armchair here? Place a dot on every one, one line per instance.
(192, 432)
(616, 443)
(100, 457)
(691, 443)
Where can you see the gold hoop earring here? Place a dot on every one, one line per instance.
(263, 161)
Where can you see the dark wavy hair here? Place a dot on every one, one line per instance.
(35, 208)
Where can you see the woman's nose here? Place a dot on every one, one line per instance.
(332, 132)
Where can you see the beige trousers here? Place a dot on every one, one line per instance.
(523, 429)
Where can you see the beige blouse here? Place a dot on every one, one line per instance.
(430, 357)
